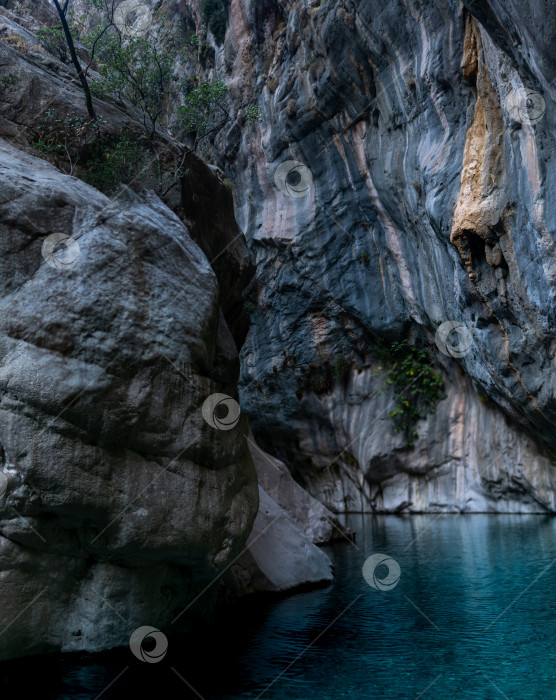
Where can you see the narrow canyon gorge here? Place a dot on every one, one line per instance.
(331, 292)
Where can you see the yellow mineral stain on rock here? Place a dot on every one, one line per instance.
(483, 197)
(483, 201)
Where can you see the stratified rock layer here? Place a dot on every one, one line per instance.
(429, 199)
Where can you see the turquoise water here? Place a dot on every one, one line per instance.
(473, 615)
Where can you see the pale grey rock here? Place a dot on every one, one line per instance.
(319, 524)
(467, 457)
(279, 556)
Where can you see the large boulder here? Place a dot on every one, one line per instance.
(119, 501)
(279, 556)
(317, 522)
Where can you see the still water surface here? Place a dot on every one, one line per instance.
(472, 616)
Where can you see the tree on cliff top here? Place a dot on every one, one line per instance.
(136, 64)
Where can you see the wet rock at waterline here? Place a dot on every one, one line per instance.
(279, 555)
(318, 524)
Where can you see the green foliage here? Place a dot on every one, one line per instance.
(205, 108)
(253, 114)
(116, 160)
(77, 146)
(9, 79)
(53, 38)
(417, 387)
(123, 160)
(65, 137)
(215, 16)
(365, 258)
(192, 43)
(341, 368)
(54, 41)
(137, 70)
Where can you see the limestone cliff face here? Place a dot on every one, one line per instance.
(427, 136)
(423, 136)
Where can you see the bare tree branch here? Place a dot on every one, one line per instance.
(75, 60)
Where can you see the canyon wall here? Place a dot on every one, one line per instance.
(419, 141)
(399, 179)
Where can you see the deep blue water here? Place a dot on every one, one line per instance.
(485, 583)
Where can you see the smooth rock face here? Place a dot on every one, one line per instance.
(279, 555)
(429, 200)
(121, 501)
(468, 457)
(281, 552)
(318, 523)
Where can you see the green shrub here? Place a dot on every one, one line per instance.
(341, 368)
(205, 108)
(253, 114)
(137, 70)
(54, 41)
(116, 160)
(77, 146)
(10, 79)
(191, 43)
(64, 138)
(418, 389)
